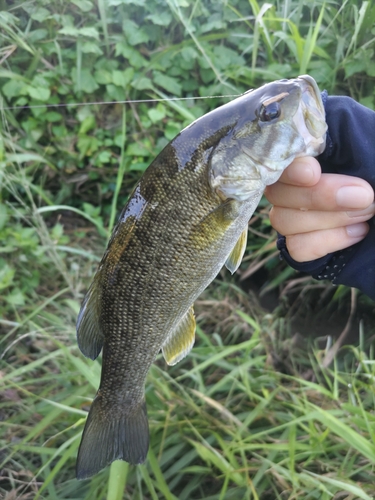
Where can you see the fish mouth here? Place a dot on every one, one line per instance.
(310, 117)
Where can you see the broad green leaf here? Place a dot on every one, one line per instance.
(39, 93)
(134, 33)
(6, 274)
(122, 78)
(84, 5)
(13, 88)
(156, 114)
(90, 32)
(15, 297)
(88, 124)
(103, 77)
(85, 82)
(115, 93)
(162, 19)
(37, 35)
(142, 84)
(40, 14)
(87, 145)
(134, 57)
(104, 157)
(8, 18)
(168, 83)
(137, 149)
(91, 48)
(59, 130)
(171, 130)
(52, 116)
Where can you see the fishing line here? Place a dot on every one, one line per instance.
(135, 101)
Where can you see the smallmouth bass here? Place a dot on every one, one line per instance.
(185, 219)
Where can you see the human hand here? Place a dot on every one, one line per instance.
(319, 213)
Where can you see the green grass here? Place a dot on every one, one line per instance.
(251, 413)
(224, 424)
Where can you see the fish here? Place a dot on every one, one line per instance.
(186, 218)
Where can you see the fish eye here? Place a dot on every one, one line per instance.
(270, 112)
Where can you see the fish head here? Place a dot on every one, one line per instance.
(270, 127)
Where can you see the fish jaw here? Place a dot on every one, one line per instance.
(310, 118)
(257, 151)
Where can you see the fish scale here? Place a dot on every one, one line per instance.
(185, 219)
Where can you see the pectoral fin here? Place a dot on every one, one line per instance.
(89, 335)
(235, 257)
(181, 340)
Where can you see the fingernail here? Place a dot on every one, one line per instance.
(302, 172)
(353, 196)
(357, 230)
(370, 210)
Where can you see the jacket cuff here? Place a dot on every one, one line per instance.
(328, 267)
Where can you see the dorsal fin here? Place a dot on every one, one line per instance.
(235, 257)
(181, 340)
(89, 335)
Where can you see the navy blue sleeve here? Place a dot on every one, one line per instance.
(350, 150)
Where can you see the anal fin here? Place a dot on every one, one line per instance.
(235, 257)
(181, 340)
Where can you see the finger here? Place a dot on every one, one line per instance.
(332, 192)
(291, 221)
(311, 246)
(304, 171)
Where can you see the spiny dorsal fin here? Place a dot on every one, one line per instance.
(235, 257)
(181, 340)
(89, 336)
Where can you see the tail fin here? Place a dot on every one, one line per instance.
(107, 439)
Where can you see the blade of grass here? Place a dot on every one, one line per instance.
(260, 28)
(101, 230)
(147, 479)
(341, 485)
(124, 163)
(66, 450)
(310, 43)
(227, 351)
(357, 26)
(36, 311)
(353, 438)
(160, 481)
(118, 474)
(103, 18)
